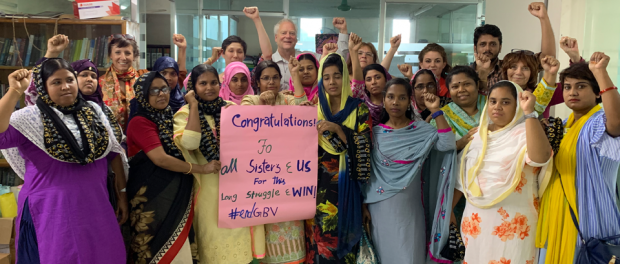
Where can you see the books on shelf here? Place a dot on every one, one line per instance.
(154, 53)
(9, 178)
(29, 50)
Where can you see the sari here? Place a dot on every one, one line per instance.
(333, 235)
(161, 201)
(310, 90)
(584, 179)
(413, 174)
(231, 70)
(500, 184)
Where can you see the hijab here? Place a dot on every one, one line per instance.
(231, 70)
(209, 139)
(162, 118)
(309, 90)
(97, 96)
(60, 142)
(176, 95)
(422, 113)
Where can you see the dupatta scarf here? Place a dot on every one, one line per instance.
(349, 191)
(176, 95)
(113, 96)
(499, 156)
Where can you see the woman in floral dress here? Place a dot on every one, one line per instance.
(500, 173)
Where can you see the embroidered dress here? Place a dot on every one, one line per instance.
(501, 185)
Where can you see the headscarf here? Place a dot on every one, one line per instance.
(176, 95)
(162, 118)
(498, 155)
(310, 91)
(231, 70)
(414, 103)
(60, 142)
(349, 192)
(209, 143)
(97, 96)
(112, 94)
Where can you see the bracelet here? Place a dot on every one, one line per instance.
(190, 168)
(14, 89)
(608, 89)
(123, 190)
(436, 114)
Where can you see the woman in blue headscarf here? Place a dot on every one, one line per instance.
(170, 69)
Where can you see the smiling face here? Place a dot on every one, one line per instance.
(519, 73)
(87, 82)
(161, 99)
(239, 83)
(122, 58)
(502, 106)
(308, 72)
(332, 81)
(171, 77)
(579, 95)
(488, 45)
(207, 86)
(365, 56)
(433, 61)
(234, 52)
(269, 80)
(463, 90)
(286, 38)
(396, 101)
(375, 82)
(62, 87)
(424, 83)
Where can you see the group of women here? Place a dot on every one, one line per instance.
(140, 149)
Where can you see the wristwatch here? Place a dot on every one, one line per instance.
(533, 114)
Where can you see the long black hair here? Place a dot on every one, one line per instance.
(333, 60)
(199, 70)
(398, 81)
(310, 57)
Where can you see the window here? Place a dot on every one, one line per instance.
(403, 27)
(309, 28)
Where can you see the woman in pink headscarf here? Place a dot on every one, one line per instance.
(236, 82)
(308, 71)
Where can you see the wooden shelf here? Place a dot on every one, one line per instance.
(64, 21)
(4, 163)
(101, 70)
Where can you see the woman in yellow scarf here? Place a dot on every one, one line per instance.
(586, 165)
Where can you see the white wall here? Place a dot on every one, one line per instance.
(158, 29)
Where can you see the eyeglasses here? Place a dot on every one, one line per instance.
(155, 92)
(269, 79)
(429, 86)
(520, 51)
(123, 36)
(368, 54)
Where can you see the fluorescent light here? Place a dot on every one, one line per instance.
(423, 9)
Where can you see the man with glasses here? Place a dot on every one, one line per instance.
(488, 46)
(285, 33)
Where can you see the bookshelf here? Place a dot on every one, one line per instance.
(91, 33)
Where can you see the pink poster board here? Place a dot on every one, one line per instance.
(269, 158)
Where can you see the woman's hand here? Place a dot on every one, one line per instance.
(340, 23)
(355, 43)
(598, 62)
(395, 42)
(190, 98)
(293, 65)
(329, 48)
(461, 143)
(212, 167)
(571, 48)
(267, 98)
(122, 212)
(432, 102)
(56, 45)
(406, 70)
(483, 65)
(251, 12)
(307, 103)
(527, 101)
(323, 126)
(550, 64)
(20, 80)
(538, 10)
(216, 52)
(179, 41)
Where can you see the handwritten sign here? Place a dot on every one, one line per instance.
(269, 158)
